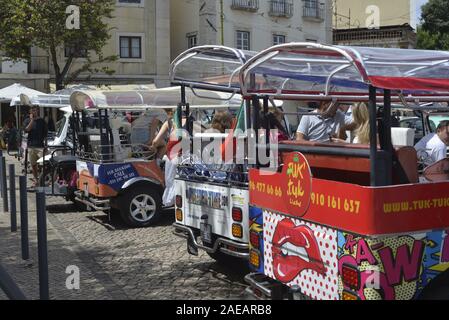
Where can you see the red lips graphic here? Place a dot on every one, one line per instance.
(295, 249)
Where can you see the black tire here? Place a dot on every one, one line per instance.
(136, 217)
(47, 179)
(438, 289)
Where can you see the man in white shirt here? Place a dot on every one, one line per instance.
(323, 124)
(433, 147)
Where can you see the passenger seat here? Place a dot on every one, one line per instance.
(403, 137)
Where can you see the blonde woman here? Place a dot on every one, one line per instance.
(360, 115)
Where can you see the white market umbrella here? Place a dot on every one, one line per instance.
(8, 94)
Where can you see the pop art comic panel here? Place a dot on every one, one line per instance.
(394, 268)
(301, 254)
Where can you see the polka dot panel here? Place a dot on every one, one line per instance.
(313, 284)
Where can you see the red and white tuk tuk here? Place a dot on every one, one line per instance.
(347, 221)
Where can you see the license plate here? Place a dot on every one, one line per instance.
(206, 232)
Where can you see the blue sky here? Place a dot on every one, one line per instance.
(419, 4)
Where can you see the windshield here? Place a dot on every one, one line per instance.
(434, 121)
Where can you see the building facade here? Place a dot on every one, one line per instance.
(375, 23)
(33, 74)
(248, 24)
(140, 38)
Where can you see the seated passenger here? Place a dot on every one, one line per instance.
(324, 125)
(433, 147)
(222, 121)
(360, 114)
(159, 141)
(275, 116)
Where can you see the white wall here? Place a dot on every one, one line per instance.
(262, 26)
(151, 21)
(186, 17)
(184, 20)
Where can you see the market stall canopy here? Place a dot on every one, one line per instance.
(8, 94)
(209, 67)
(158, 98)
(301, 70)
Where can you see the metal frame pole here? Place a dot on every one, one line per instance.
(9, 287)
(42, 246)
(12, 197)
(1, 174)
(24, 217)
(386, 143)
(4, 185)
(372, 106)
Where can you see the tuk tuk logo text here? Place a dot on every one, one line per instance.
(299, 182)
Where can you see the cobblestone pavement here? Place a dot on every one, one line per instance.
(115, 262)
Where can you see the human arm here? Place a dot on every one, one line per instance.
(159, 140)
(29, 123)
(303, 129)
(154, 126)
(440, 154)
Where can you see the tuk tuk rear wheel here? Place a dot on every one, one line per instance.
(140, 206)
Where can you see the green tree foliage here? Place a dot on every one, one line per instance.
(434, 30)
(43, 24)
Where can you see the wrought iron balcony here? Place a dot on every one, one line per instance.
(313, 10)
(281, 9)
(247, 5)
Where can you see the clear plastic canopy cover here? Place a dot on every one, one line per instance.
(47, 100)
(209, 67)
(145, 99)
(305, 68)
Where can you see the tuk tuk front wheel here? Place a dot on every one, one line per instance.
(140, 206)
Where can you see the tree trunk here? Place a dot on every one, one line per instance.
(59, 83)
(58, 77)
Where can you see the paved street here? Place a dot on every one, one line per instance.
(115, 262)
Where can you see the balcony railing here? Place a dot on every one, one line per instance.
(313, 10)
(247, 5)
(281, 9)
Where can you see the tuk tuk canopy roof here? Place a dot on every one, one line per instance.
(312, 69)
(43, 100)
(149, 99)
(58, 99)
(210, 67)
